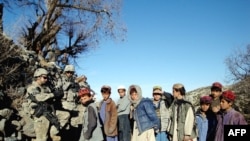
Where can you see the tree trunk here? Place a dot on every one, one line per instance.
(1, 17)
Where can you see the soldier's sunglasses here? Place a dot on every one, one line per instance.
(71, 72)
(44, 77)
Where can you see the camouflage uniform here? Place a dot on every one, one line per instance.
(83, 82)
(51, 56)
(69, 100)
(55, 83)
(41, 93)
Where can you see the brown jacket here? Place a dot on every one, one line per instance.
(110, 123)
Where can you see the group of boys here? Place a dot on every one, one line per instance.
(70, 104)
(128, 121)
(216, 110)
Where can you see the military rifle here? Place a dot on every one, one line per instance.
(42, 108)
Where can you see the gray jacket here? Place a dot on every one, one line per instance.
(91, 130)
(123, 106)
(164, 116)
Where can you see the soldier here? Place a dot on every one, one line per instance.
(82, 80)
(69, 100)
(38, 96)
(55, 84)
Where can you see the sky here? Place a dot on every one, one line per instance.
(168, 42)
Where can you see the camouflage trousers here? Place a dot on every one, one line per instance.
(42, 126)
(63, 117)
(77, 120)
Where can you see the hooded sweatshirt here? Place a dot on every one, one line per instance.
(143, 111)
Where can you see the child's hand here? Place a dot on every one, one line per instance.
(187, 138)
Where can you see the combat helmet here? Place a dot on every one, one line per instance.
(69, 68)
(40, 71)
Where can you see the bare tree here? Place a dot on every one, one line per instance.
(70, 26)
(238, 64)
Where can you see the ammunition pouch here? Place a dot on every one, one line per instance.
(58, 93)
(74, 87)
(74, 113)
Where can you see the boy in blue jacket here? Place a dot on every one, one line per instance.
(146, 122)
(201, 117)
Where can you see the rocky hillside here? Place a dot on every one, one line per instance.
(242, 102)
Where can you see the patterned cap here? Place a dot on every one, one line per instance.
(217, 85)
(157, 89)
(83, 91)
(206, 99)
(178, 86)
(228, 95)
